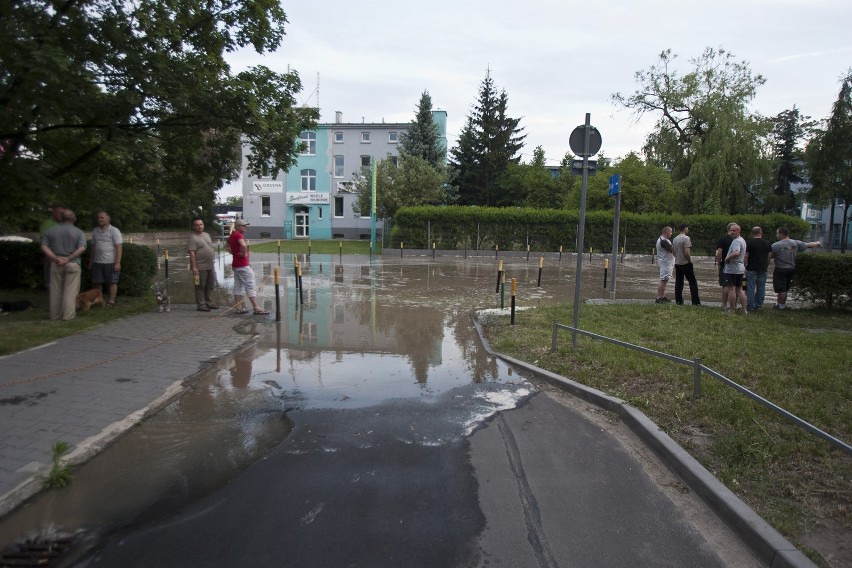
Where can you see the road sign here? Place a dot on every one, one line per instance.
(577, 167)
(577, 141)
(614, 184)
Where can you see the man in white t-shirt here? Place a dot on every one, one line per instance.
(665, 257)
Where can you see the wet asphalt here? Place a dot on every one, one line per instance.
(401, 483)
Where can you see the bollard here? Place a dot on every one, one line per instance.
(433, 251)
(514, 290)
(301, 295)
(606, 267)
(496, 249)
(401, 246)
(528, 253)
(277, 297)
(503, 292)
(309, 248)
(158, 247)
(560, 254)
(590, 254)
(622, 255)
(653, 252)
(296, 269)
(166, 256)
(341, 251)
(540, 267)
(499, 274)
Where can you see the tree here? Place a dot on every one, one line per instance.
(704, 134)
(130, 105)
(488, 143)
(789, 129)
(532, 185)
(413, 181)
(422, 139)
(829, 156)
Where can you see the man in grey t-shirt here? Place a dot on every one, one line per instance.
(784, 253)
(62, 245)
(201, 257)
(734, 271)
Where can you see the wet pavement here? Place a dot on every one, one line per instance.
(368, 428)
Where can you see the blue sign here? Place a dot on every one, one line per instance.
(614, 184)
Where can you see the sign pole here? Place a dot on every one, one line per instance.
(373, 208)
(615, 189)
(581, 228)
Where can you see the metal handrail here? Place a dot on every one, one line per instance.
(698, 368)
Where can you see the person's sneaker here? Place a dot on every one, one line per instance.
(203, 308)
(778, 306)
(213, 306)
(662, 301)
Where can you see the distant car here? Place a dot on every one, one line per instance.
(15, 238)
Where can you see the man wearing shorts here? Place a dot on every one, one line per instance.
(665, 257)
(784, 253)
(105, 257)
(734, 271)
(243, 273)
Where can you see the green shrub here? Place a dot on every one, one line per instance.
(25, 270)
(825, 279)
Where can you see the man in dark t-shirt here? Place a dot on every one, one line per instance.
(757, 264)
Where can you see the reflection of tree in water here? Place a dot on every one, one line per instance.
(417, 332)
(481, 365)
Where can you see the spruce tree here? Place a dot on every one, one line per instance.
(790, 128)
(422, 138)
(488, 143)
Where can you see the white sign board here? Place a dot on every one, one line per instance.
(267, 186)
(308, 198)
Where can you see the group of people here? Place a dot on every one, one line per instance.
(63, 244)
(738, 261)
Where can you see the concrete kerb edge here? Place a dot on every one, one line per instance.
(93, 445)
(765, 542)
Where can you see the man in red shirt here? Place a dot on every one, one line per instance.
(243, 273)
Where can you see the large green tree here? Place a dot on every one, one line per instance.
(488, 143)
(829, 156)
(705, 135)
(130, 105)
(789, 131)
(422, 139)
(532, 185)
(411, 181)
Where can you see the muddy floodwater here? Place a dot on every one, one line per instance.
(360, 332)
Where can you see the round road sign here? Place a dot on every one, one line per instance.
(577, 141)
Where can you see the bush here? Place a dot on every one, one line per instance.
(138, 267)
(824, 279)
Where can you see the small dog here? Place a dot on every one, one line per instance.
(89, 298)
(17, 306)
(162, 295)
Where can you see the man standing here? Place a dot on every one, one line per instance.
(201, 257)
(105, 257)
(722, 246)
(243, 273)
(666, 260)
(682, 245)
(784, 252)
(734, 271)
(63, 244)
(757, 263)
(54, 219)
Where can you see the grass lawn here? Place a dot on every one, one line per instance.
(30, 328)
(797, 359)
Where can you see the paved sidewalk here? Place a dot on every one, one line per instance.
(89, 388)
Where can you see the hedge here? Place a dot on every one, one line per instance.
(513, 228)
(824, 279)
(24, 264)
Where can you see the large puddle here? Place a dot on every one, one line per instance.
(360, 332)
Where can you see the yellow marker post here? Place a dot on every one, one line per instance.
(540, 268)
(499, 274)
(277, 295)
(514, 291)
(606, 267)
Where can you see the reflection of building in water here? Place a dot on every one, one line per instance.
(342, 312)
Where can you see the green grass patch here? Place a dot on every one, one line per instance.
(797, 359)
(316, 247)
(32, 327)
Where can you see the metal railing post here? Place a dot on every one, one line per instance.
(553, 338)
(696, 378)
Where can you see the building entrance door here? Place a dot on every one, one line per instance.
(302, 225)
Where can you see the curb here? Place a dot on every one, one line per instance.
(768, 545)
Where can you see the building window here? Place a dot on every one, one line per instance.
(309, 180)
(393, 137)
(309, 143)
(338, 138)
(338, 207)
(319, 213)
(265, 206)
(366, 160)
(394, 160)
(338, 166)
(365, 137)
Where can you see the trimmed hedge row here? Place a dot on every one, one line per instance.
(24, 264)
(513, 228)
(824, 279)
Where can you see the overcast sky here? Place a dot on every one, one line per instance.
(557, 60)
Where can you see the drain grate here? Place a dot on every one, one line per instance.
(35, 553)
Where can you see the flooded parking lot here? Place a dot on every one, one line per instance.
(363, 336)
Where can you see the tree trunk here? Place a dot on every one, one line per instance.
(831, 224)
(844, 228)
